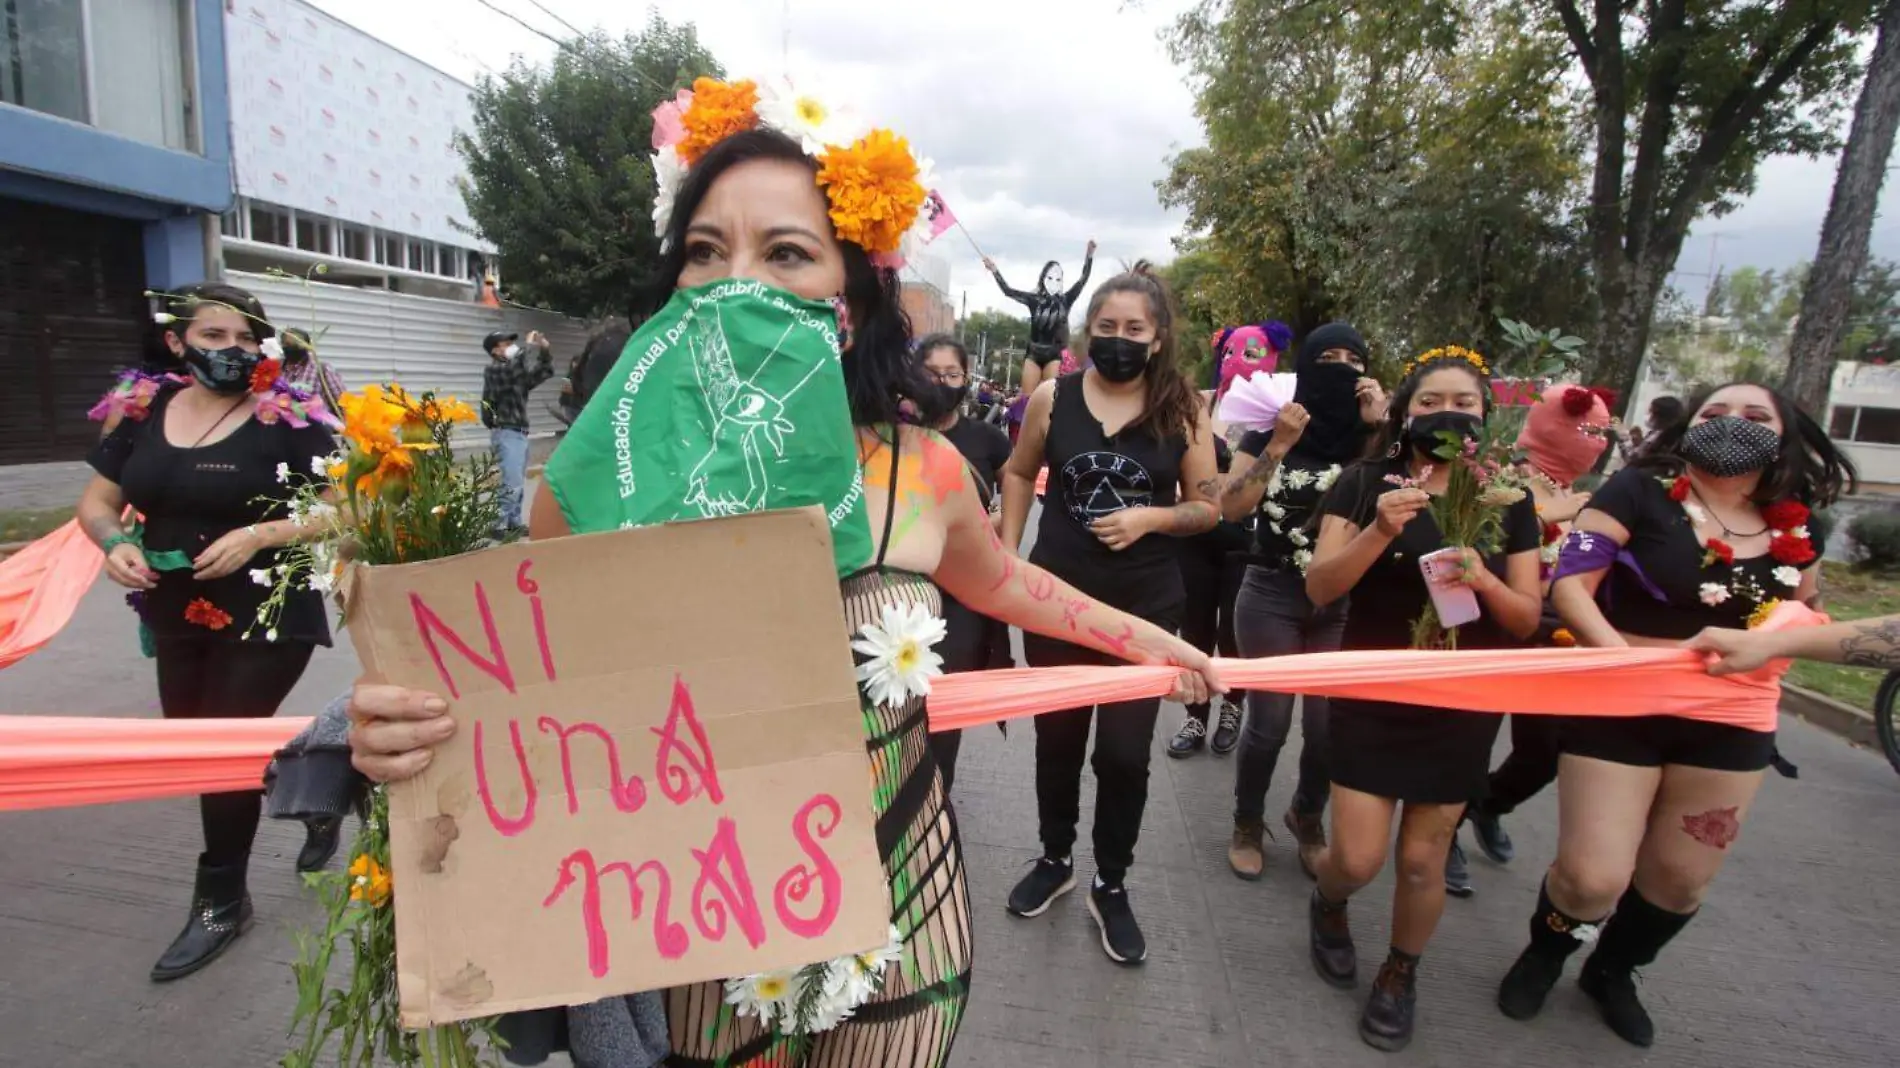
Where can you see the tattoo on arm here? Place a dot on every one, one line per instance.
(1876, 643)
(1009, 572)
(1191, 517)
(1039, 584)
(1072, 609)
(104, 527)
(1212, 488)
(1257, 475)
(1116, 643)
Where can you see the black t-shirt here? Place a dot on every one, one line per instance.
(1392, 594)
(192, 497)
(1663, 542)
(1092, 475)
(1286, 527)
(987, 450)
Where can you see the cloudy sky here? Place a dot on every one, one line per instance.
(1049, 120)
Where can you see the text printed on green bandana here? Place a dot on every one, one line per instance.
(730, 400)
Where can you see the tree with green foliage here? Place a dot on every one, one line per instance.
(1408, 164)
(1685, 100)
(559, 171)
(996, 340)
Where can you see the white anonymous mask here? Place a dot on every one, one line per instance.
(1052, 280)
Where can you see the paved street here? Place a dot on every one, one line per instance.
(1793, 963)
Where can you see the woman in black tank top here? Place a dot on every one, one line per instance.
(1112, 499)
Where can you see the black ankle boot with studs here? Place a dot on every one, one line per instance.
(220, 913)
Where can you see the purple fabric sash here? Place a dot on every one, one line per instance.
(1584, 552)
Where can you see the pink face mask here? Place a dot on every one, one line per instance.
(1557, 433)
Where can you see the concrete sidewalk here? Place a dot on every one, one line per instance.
(1793, 962)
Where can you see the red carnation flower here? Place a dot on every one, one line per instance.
(1785, 515)
(1578, 401)
(1552, 533)
(264, 375)
(1788, 549)
(208, 615)
(1718, 549)
(1679, 489)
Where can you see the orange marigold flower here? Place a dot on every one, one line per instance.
(719, 110)
(873, 190)
(1762, 612)
(205, 614)
(368, 881)
(1562, 638)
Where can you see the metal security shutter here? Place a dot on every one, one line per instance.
(72, 313)
(421, 343)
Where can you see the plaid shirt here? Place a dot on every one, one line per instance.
(304, 375)
(506, 384)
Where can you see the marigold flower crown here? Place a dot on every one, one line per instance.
(875, 184)
(1445, 352)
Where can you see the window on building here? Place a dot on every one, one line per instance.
(355, 244)
(1840, 424)
(313, 234)
(270, 225)
(1877, 426)
(42, 58)
(448, 261)
(231, 224)
(389, 250)
(419, 256)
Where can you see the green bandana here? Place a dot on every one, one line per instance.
(730, 400)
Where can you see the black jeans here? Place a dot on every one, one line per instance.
(219, 678)
(1124, 736)
(1211, 568)
(1273, 617)
(1531, 766)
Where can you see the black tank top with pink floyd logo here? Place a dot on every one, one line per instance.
(1093, 476)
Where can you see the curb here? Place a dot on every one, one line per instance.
(1853, 724)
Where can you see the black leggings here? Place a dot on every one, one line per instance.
(219, 678)
(1531, 766)
(1211, 570)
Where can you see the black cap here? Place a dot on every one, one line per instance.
(488, 343)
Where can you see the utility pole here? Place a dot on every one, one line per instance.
(964, 316)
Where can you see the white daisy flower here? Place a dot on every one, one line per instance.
(1787, 576)
(1276, 483)
(1328, 477)
(857, 977)
(272, 348)
(806, 118)
(668, 172)
(771, 996)
(901, 662)
(1276, 511)
(1302, 559)
(1299, 478)
(261, 576)
(1713, 593)
(283, 472)
(1299, 538)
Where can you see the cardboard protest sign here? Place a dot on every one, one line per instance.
(729, 400)
(658, 776)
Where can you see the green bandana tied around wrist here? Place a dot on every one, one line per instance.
(730, 400)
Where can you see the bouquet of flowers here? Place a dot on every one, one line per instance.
(1470, 513)
(395, 493)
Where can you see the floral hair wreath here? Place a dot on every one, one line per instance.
(1445, 352)
(875, 184)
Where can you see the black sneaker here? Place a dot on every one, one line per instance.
(1493, 840)
(1227, 729)
(1048, 880)
(1188, 740)
(1457, 870)
(1521, 995)
(1615, 994)
(1121, 935)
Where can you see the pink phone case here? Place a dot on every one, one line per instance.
(1455, 602)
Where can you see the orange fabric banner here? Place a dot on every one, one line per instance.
(41, 586)
(58, 761)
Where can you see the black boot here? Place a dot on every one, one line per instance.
(1635, 934)
(319, 843)
(1555, 935)
(1329, 935)
(220, 912)
(1393, 1007)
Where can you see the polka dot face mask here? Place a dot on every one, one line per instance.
(1729, 445)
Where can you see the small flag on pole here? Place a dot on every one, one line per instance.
(941, 218)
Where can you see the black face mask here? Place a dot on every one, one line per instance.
(949, 398)
(1119, 359)
(226, 371)
(1729, 445)
(1422, 433)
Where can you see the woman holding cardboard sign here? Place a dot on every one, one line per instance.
(740, 202)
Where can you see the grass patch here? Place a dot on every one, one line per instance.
(26, 524)
(1849, 594)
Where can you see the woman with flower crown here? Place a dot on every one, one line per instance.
(757, 183)
(1394, 762)
(1708, 528)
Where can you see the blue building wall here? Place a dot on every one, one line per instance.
(54, 161)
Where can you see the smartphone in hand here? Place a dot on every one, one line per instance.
(1455, 601)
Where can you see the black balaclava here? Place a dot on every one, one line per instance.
(1328, 392)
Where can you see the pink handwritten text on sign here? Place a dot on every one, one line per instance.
(722, 898)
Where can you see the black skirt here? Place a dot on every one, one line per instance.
(1426, 755)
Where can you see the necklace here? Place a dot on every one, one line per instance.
(214, 426)
(1710, 509)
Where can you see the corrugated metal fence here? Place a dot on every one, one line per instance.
(373, 335)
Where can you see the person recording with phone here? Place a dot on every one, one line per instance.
(1388, 760)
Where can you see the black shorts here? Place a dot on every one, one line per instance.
(1652, 741)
